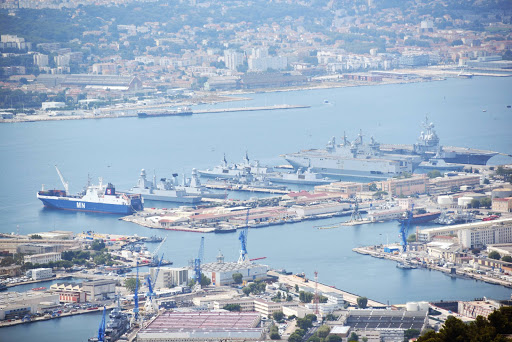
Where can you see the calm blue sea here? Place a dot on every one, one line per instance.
(116, 149)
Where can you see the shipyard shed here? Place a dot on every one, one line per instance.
(385, 325)
(202, 326)
(221, 272)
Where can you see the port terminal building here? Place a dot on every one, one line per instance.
(474, 234)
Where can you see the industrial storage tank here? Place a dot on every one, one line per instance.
(445, 200)
(423, 306)
(464, 201)
(411, 306)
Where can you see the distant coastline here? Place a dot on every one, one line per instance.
(325, 82)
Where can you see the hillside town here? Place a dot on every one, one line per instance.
(111, 53)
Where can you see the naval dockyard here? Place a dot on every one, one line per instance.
(452, 214)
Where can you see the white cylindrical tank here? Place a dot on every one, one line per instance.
(445, 200)
(411, 306)
(464, 201)
(423, 306)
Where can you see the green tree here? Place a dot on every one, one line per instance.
(296, 288)
(353, 337)
(36, 237)
(331, 317)
(237, 278)
(411, 333)
(362, 302)
(486, 202)
(232, 307)
(487, 181)
(372, 187)
(98, 245)
(334, 338)
(295, 338)
(434, 174)
(246, 290)
(411, 238)
(506, 258)
(274, 333)
(305, 297)
(323, 331)
(494, 255)
(304, 323)
(205, 281)
(278, 316)
(130, 283)
(475, 203)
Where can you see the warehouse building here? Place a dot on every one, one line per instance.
(99, 289)
(202, 326)
(385, 325)
(221, 272)
(18, 304)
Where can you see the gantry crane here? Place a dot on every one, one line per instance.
(136, 298)
(197, 265)
(404, 228)
(243, 240)
(150, 306)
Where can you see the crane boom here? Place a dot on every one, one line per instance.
(64, 183)
(197, 262)
(243, 240)
(101, 329)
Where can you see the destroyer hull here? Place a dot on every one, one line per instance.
(175, 199)
(299, 181)
(347, 168)
(76, 204)
(219, 175)
(455, 155)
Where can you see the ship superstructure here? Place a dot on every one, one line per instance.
(353, 159)
(162, 190)
(428, 146)
(227, 171)
(95, 198)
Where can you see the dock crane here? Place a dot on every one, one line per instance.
(101, 329)
(243, 240)
(64, 182)
(150, 306)
(136, 298)
(404, 228)
(155, 252)
(197, 265)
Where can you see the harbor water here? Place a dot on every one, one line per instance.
(116, 149)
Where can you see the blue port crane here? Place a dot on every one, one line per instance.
(243, 240)
(404, 228)
(197, 263)
(101, 329)
(136, 296)
(150, 305)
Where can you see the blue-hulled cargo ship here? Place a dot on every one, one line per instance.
(99, 198)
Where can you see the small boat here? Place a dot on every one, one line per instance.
(405, 266)
(42, 288)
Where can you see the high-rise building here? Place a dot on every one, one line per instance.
(233, 59)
